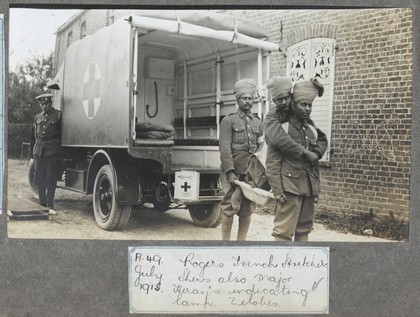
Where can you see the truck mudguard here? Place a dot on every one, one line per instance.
(127, 182)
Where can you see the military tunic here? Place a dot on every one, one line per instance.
(280, 142)
(298, 179)
(47, 133)
(275, 135)
(241, 135)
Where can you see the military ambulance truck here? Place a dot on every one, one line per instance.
(154, 69)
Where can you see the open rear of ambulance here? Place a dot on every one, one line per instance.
(185, 66)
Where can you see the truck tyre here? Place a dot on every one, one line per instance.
(207, 216)
(31, 179)
(108, 214)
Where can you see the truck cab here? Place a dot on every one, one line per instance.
(142, 101)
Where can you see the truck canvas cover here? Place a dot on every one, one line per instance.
(96, 80)
(204, 24)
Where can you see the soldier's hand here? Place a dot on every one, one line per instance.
(311, 156)
(231, 177)
(280, 198)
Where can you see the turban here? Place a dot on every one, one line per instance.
(247, 85)
(306, 91)
(279, 87)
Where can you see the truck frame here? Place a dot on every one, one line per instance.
(165, 68)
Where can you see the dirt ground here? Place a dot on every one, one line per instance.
(75, 220)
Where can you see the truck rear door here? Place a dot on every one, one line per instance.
(97, 89)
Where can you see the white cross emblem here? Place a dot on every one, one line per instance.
(91, 90)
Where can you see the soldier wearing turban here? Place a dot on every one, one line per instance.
(294, 148)
(241, 135)
(280, 89)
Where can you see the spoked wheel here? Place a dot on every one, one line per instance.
(207, 216)
(108, 214)
(31, 179)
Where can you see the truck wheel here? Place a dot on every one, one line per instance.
(31, 179)
(108, 214)
(207, 216)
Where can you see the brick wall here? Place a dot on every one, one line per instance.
(94, 19)
(371, 123)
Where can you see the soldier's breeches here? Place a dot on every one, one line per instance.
(295, 217)
(234, 202)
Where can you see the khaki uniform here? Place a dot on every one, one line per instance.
(240, 136)
(281, 140)
(288, 172)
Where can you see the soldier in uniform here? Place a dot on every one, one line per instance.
(280, 89)
(293, 176)
(47, 150)
(241, 134)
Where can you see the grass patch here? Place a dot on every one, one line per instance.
(391, 226)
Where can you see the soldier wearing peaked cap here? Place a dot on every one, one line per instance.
(46, 150)
(240, 136)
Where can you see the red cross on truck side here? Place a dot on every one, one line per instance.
(91, 90)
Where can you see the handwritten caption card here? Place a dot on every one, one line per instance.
(233, 280)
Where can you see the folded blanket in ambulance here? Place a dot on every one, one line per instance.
(149, 130)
